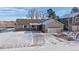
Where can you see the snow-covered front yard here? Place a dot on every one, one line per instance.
(34, 41)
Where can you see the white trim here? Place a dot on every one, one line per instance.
(35, 23)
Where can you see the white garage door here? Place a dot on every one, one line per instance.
(54, 30)
(75, 28)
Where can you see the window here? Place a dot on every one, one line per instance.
(25, 26)
(77, 19)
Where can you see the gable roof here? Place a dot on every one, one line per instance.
(26, 21)
(70, 15)
(53, 23)
(48, 21)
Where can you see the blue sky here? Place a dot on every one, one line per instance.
(14, 12)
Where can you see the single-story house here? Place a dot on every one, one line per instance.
(29, 24)
(71, 21)
(44, 25)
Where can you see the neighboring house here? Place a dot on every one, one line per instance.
(7, 24)
(71, 21)
(43, 25)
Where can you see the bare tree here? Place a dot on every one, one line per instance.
(31, 13)
(36, 14)
(43, 14)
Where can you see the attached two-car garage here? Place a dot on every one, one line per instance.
(53, 26)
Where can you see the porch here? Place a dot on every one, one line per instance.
(33, 27)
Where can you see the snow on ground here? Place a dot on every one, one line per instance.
(15, 41)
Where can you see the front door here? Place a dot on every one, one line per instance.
(36, 28)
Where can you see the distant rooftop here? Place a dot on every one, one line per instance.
(70, 15)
